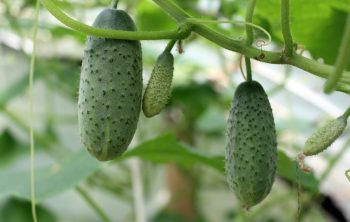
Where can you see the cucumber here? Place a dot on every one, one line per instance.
(158, 89)
(324, 136)
(110, 90)
(251, 152)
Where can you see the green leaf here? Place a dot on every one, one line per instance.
(194, 99)
(50, 180)
(166, 149)
(9, 147)
(17, 210)
(341, 4)
(315, 24)
(14, 90)
(212, 121)
(150, 17)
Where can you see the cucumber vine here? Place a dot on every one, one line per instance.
(185, 28)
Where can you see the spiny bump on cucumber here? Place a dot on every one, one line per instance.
(251, 152)
(110, 90)
(158, 89)
(324, 136)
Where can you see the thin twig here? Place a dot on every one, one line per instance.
(31, 120)
(140, 215)
(84, 194)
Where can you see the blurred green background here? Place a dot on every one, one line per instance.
(173, 170)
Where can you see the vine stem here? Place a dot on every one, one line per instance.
(31, 119)
(342, 59)
(285, 24)
(108, 33)
(92, 203)
(249, 38)
(140, 215)
(309, 65)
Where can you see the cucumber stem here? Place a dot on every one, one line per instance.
(249, 38)
(248, 67)
(170, 45)
(115, 4)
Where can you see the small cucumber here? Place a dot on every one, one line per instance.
(324, 136)
(158, 88)
(251, 152)
(110, 90)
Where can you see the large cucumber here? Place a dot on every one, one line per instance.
(110, 90)
(251, 151)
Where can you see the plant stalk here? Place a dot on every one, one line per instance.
(249, 38)
(107, 33)
(83, 193)
(285, 23)
(31, 120)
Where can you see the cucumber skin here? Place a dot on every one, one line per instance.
(110, 90)
(251, 152)
(158, 89)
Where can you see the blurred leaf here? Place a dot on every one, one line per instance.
(19, 25)
(150, 17)
(9, 146)
(230, 7)
(50, 180)
(62, 75)
(165, 216)
(166, 149)
(17, 210)
(313, 24)
(212, 121)
(13, 90)
(341, 4)
(194, 99)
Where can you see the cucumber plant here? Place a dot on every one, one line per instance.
(110, 91)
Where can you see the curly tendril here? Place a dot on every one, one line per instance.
(203, 21)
